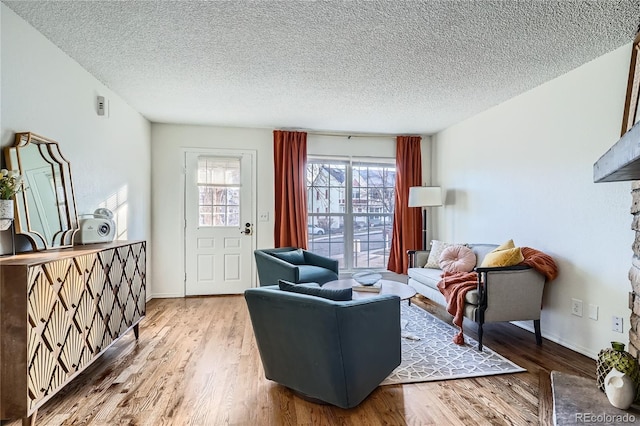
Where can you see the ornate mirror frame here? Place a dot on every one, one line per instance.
(46, 210)
(631, 113)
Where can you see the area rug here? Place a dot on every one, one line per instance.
(429, 354)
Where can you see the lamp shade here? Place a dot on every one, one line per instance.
(425, 196)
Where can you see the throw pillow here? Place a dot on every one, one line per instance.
(507, 254)
(326, 293)
(437, 247)
(295, 257)
(506, 245)
(457, 258)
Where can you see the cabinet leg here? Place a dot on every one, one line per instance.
(136, 331)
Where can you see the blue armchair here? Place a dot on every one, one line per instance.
(335, 352)
(294, 265)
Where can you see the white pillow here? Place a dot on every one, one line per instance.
(437, 247)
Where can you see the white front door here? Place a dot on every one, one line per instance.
(219, 218)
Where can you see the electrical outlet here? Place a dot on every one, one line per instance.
(264, 217)
(617, 324)
(576, 307)
(593, 311)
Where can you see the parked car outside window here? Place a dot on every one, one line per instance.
(315, 230)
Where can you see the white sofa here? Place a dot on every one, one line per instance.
(425, 280)
(512, 293)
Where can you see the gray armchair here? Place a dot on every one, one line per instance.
(294, 265)
(328, 351)
(511, 293)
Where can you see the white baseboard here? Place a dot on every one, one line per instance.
(528, 325)
(164, 296)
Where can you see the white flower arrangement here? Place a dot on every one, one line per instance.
(10, 184)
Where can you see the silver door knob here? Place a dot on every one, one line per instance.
(248, 229)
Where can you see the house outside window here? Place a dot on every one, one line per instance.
(354, 230)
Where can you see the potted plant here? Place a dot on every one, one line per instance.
(10, 184)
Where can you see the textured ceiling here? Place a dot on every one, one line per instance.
(351, 66)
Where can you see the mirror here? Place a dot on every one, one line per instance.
(46, 211)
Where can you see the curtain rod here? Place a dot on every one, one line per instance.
(350, 135)
(345, 135)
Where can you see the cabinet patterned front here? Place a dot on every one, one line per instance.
(76, 305)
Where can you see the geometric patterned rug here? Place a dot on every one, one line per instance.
(429, 354)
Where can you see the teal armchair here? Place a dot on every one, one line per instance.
(335, 352)
(294, 265)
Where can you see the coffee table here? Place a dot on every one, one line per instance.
(396, 288)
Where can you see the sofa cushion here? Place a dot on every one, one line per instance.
(437, 247)
(295, 257)
(457, 258)
(505, 246)
(481, 251)
(427, 276)
(507, 254)
(326, 293)
(430, 278)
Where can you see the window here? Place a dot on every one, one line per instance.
(219, 191)
(356, 229)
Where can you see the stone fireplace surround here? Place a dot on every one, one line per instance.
(622, 163)
(634, 274)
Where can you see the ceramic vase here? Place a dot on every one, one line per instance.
(6, 213)
(616, 357)
(620, 389)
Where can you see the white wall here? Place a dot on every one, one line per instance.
(524, 170)
(46, 92)
(168, 142)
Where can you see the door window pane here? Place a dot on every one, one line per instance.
(219, 191)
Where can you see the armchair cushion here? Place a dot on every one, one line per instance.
(295, 257)
(312, 273)
(326, 293)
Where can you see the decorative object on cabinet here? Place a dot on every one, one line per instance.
(6, 214)
(99, 228)
(45, 214)
(59, 311)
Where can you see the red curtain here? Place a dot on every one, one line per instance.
(289, 158)
(406, 220)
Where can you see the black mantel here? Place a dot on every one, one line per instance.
(622, 161)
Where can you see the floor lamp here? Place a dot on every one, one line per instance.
(425, 196)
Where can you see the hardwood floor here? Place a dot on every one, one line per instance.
(196, 363)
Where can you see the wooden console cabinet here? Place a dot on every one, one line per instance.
(59, 311)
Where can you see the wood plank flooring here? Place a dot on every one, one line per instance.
(196, 363)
